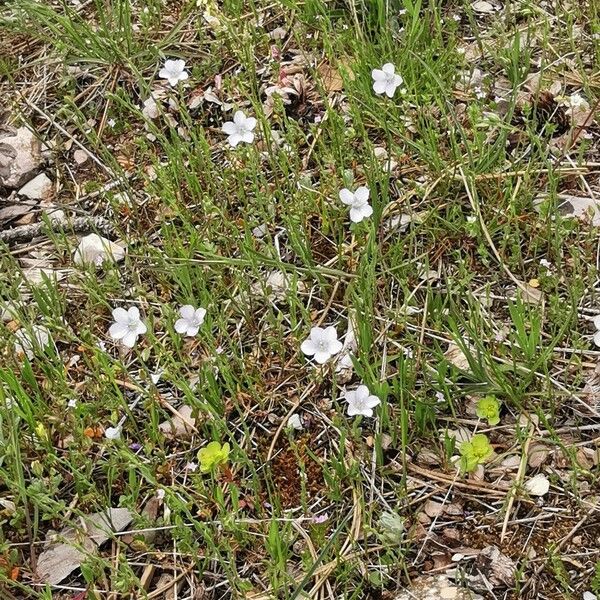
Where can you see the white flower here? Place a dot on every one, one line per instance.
(385, 80)
(191, 466)
(72, 403)
(361, 401)
(112, 433)
(322, 343)
(191, 319)
(358, 202)
(597, 334)
(95, 250)
(578, 102)
(30, 341)
(589, 596)
(174, 71)
(240, 129)
(127, 326)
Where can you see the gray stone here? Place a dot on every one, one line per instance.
(20, 156)
(39, 188)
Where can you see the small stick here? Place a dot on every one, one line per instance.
(518, 480)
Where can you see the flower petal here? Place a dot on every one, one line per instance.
(229, 128)
(346, 196)
(597, 338)
(129, 339)
(379, 86)
(362, 392)
(250, 123)
(322, 357)
(362, 194)
(120, 315)
(335, 347)
(377, 74)
(187, 312)
(181, 325)
(356, 215)
(390, 90)
(117, 331)
(247, 137)
(308, 347)
(388, 68)
(239, 118)
(330, 334)
(134, 313)
(234, 139)
(372, 402)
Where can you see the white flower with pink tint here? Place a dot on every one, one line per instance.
(173, 71)
(322, 344)
(358, 202)
(241, 129)
(361, 402)
(127, 327)
(386, 80)
(191, 319)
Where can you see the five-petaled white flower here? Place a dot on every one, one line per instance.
(597, 326)
(322, 343)
(28, 342)
(386, 80)
(361, 401)
(174, 71)
(191, 319)
(240, 129)
(127, 326)
(358, 202)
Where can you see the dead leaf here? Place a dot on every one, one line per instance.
(433, 509)
(332, 80)
(13, 211)
(530, 294)
(60, 560)
(62, 557)
(181, 425)
(581, 207)
(538, 485)
(537, 455)
(457, 357)
(344, 366)
(497, 567)
(101, 525)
